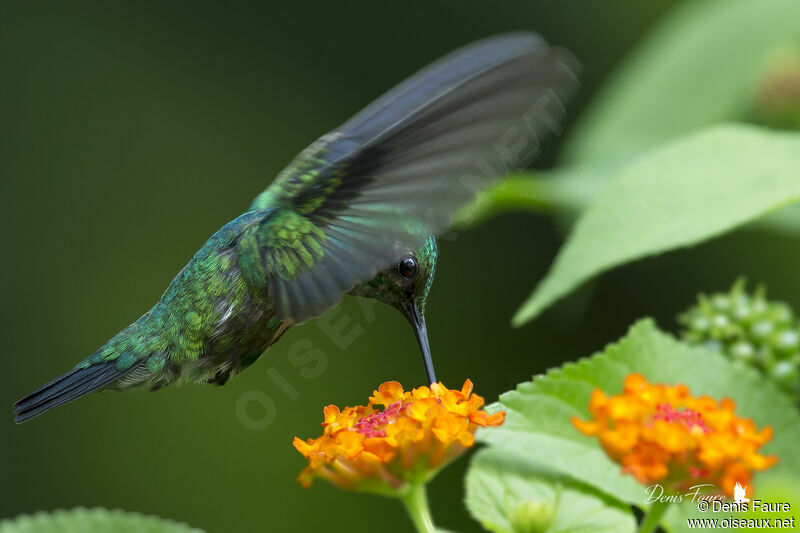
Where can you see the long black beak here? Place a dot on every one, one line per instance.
(417, 320)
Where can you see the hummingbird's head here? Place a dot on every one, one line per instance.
(405, 286)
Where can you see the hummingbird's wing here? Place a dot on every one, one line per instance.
(398, 170)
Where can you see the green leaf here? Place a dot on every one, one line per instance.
(663, 91)
(509, 496)
(569, 190)
(92, 521)
(656, 96)
(538, 431)
(781, 490)
(785, 221)
(676, 196)
(566, 190)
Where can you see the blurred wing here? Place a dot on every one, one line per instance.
(398, 171)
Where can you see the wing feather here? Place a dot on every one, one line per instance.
(395, 173)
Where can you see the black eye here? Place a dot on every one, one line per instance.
(408, 267)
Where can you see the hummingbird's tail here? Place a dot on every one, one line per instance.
(67, 387)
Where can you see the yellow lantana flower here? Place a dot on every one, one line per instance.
(663, 434)
(406, 442)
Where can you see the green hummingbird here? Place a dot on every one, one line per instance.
(354, 213)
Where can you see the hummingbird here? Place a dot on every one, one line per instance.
(355, 213)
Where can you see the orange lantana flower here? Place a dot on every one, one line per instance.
(406, 442)
(662, 434)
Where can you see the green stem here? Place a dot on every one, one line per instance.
(416, 501)
(653, 517)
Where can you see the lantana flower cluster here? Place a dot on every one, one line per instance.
(663, 434)
(406, 442)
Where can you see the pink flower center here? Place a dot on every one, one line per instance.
(688, 418)
(374, 425)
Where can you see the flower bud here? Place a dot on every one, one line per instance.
(777, 99)
(751, 330)
(532, 516)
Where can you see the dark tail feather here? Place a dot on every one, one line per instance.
(70, 386)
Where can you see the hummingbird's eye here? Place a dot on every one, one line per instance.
(408, 267)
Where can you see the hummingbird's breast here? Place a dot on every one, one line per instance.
(245, 328)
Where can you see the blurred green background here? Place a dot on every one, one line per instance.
(130, 132)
